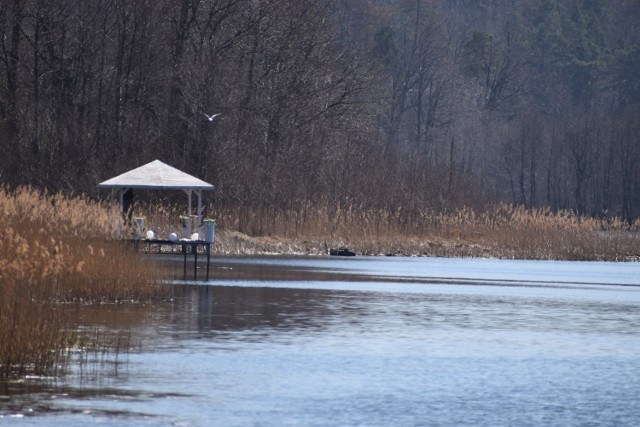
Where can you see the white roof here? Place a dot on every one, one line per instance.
(156, 176)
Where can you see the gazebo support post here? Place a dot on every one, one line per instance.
(199, 212)
(189, 209)
(123, 191)
(199, 193)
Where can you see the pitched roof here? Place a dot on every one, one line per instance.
(156, 175)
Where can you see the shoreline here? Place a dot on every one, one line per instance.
(236, 243)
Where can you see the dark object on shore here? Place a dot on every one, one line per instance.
(341, 252)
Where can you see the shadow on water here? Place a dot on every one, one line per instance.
(214, 310)
(40, 397)
(404, 270)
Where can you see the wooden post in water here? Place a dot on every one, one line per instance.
(194, 247)
(184, 265)
(208, 258)
(187, 248)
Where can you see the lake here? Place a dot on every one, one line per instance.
(364, 341)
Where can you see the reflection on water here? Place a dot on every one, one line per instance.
(281, 341)
(223, 311)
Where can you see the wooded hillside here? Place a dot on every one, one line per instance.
(409, 105)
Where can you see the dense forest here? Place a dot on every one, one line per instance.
(405, 105)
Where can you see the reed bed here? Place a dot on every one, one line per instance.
(55, 251)
(502, 231)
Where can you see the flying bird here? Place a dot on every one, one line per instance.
(211, 118)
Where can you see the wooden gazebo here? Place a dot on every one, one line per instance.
(158, 176)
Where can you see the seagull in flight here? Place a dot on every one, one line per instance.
(212, 117)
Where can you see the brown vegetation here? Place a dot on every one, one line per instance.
(56, 250)
(501, 231)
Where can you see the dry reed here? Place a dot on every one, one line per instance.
(503, 231)
(56, 250)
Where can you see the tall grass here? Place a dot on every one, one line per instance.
(502, 231)
(57, 250)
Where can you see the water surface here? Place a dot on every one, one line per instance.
(367, 341)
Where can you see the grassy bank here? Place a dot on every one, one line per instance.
(499, 232)
(55, 251)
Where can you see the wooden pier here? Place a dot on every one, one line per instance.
(157, 175)
(185, 247)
